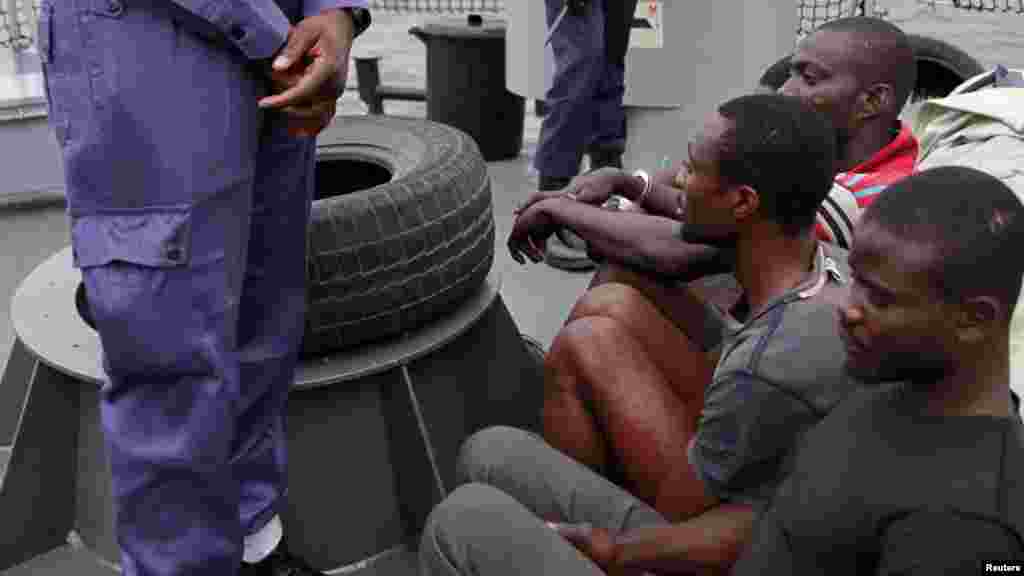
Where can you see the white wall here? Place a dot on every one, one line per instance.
(711, 51)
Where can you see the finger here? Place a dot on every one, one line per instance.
(307, 113)
(575, 532)
(309, 127)
(516, 255)
(300, 40)
(534, 252)
(310, 119)
(318, 75)
(282, 81)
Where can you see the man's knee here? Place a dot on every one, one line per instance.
(612, 300)
(468, 516)
(580, 341)
(490, 454)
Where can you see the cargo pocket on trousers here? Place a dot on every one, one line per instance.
(123, 257)
(158, 238)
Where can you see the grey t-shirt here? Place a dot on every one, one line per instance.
(780, 372)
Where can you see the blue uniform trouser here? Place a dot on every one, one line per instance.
(200, 358)
(585, 98)
(188, 208)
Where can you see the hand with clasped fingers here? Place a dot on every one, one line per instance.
(308, 75)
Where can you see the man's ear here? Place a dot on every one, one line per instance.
(875, 100)
(746, 202)
(979, 319)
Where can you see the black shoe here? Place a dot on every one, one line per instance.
(279, 563)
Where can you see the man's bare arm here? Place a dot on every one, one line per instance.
(712, 540)
(647, 242)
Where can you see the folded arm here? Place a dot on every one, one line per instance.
(650, 243)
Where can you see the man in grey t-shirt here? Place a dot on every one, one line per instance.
(756, 175)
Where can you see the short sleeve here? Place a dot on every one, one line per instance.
(746, 432)
(946, 542)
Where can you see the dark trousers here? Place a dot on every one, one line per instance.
(585, 100)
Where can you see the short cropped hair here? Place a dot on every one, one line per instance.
(973, 220)
(785, 150)
(890, 57)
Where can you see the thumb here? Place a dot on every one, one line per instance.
(300, 40)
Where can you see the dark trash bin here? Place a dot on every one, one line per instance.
(466, 83)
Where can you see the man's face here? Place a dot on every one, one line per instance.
(708, 216)
(823, 73)
(894, 324)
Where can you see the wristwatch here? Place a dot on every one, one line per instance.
(643, 175)
(360, 20)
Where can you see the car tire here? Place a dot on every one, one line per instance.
(941, 67)
(401, 229)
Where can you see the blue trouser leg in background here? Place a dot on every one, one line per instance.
(580, 58)
(609, 114)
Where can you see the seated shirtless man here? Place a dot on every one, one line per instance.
(781, 368)
(924, 476)
(601, 408)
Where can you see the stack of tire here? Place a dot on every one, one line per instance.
(388, 259)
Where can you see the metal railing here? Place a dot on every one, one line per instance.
(1016, 6)
(18, 17)
(814, 13)
(440, 6)
(18, 23)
